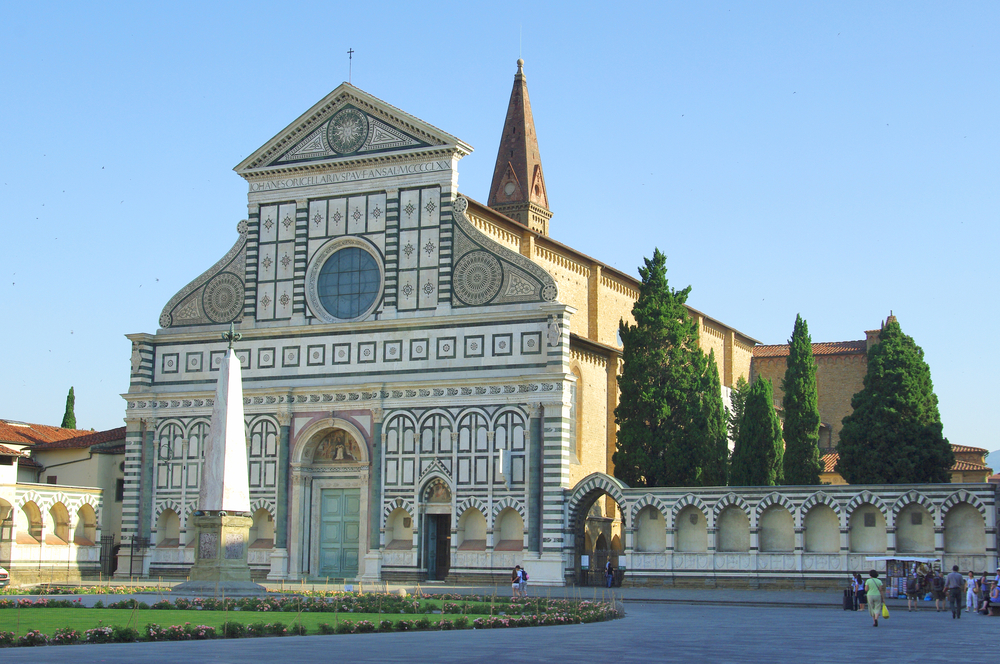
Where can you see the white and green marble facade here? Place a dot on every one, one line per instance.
(456, 375)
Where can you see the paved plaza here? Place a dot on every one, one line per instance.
(657, 629)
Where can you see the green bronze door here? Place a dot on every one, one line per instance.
(340, 532)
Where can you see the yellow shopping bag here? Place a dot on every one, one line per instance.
(885, 611)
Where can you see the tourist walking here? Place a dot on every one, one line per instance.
(937, 589)
(912, 591)
(515, 581)
(971, 596)
(524, 582)
(875, 593)
(953, 586)
(609, 573)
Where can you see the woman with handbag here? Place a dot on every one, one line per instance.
(875, 595)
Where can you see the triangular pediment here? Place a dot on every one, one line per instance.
(349, 125)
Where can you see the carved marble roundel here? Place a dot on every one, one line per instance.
(347, 131)
(223, 298)
(478, 276)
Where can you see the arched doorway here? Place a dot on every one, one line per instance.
(436, 509)
(596, 515)
(328, 505)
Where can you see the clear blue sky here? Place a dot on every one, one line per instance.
(838, 160)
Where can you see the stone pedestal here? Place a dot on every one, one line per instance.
(279, 565)
(220, 566)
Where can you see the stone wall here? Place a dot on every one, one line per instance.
(799, 536)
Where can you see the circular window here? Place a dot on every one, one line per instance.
(344, 281)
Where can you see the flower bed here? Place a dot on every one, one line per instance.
(368, 613)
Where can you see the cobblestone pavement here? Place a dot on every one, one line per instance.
(651, 632)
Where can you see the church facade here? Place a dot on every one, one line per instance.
(425, 376)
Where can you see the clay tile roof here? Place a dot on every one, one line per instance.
(829, 462)
(86, 440)
(6, 451)
(966, 448)
(966, 465)
(23, 433)
(28, 462)
(822, 348)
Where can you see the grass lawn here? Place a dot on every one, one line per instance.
(48, 621)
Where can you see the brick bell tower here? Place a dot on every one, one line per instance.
(518, 188)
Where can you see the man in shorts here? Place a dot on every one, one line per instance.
(524, 583)
(937, 589)
(912, 591)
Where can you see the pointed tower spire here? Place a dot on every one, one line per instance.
(518, 188)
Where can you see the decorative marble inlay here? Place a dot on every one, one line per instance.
(208, 546)
(284, 299)
(357, 214)
(429, 247)
(223, 297)
(268, 224)
(265, 301)
(285, 261)
(287, 221)
(430, 207)
(235, 546)
(428, 288)
(267, 262)
(407, 290)
(317, 219)
(347, 130)
(376, 212)
(478, 276)
(337, 217)
(409, 209)
(408, 250)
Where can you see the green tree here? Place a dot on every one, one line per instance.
(801, 424)
(716, 441)
(757, 455)
(894, 434)
(661, 429)
(737, 401)
(69, 417)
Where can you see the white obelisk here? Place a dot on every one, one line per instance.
(225, 485)
(222, 521)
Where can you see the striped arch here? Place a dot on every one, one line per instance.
(820, 498)
(647, 501)
(595, 483)
(30, 497)
(167, 504)
(404, 414)
(394, 504)
(962, 496)
(478, 411)
(503, 504)
(909, 498)
(59, 497)
(436, 411)
(507, 409)
(160, 426)
(772, 499)
(690, 499)
(726, 501)
(473, 503)
(262, 504)
(192, 423)
(868, 497)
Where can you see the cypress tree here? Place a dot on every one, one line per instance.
(69, 417)
(716, 468)
(737, 401)
(758, 452)
(801, 426)
(660, 441)
(894, 434)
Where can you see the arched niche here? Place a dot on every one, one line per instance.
(399, 530)
(732, 530)
(168, 529)
(867, 530)
(822, 530)
(85, 533)
(691, 529)
(508, 531)
(58, 525)
(776, 530)
(650, 530)
(964, 531)
(915, 530)
(262, 531)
